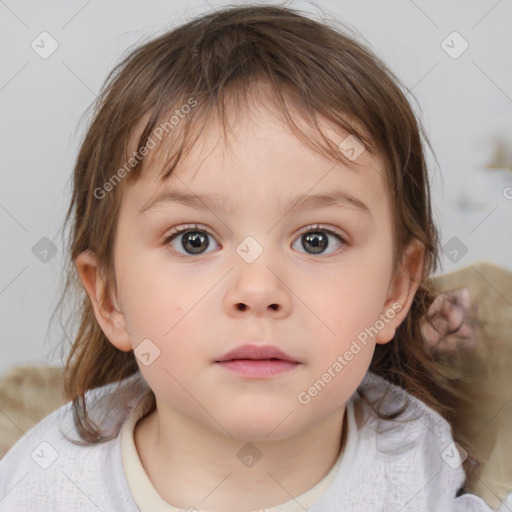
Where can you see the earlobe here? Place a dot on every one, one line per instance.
(402, 289)
(106, 309)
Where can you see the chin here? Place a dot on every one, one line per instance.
(256, 427)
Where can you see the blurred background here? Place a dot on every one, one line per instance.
(453, 57)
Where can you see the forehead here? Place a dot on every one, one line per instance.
(260, 151)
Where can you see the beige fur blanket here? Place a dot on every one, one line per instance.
(27, 394)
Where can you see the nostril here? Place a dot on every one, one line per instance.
(242, 307)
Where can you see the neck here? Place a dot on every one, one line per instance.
(233, 474)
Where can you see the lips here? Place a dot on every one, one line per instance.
(256, 352)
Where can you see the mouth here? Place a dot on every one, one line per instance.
(256, 353)
(257, 361)
(261, 368)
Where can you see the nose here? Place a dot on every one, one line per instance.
(257, 289)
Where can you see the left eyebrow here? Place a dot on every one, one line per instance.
(338, 198)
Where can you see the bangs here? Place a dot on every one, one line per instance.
(164, 136)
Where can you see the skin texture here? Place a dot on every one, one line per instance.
(195, 308)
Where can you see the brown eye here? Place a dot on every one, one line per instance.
(194, 242)
(191, 241)
(318, 240)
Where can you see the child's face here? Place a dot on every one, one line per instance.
(311, 301)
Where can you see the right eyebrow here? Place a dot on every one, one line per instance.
(196, 201)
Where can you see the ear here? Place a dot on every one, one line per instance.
(112, 321)
(401, 291)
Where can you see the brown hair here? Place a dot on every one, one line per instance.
(311, 65)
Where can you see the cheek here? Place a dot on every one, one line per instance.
(175, 321)
(353, 299)
(151, 305)
(347, 305)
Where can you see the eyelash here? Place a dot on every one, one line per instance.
(313, 228)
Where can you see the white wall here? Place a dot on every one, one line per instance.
(466, 104)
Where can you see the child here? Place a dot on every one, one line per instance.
(280, 367)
